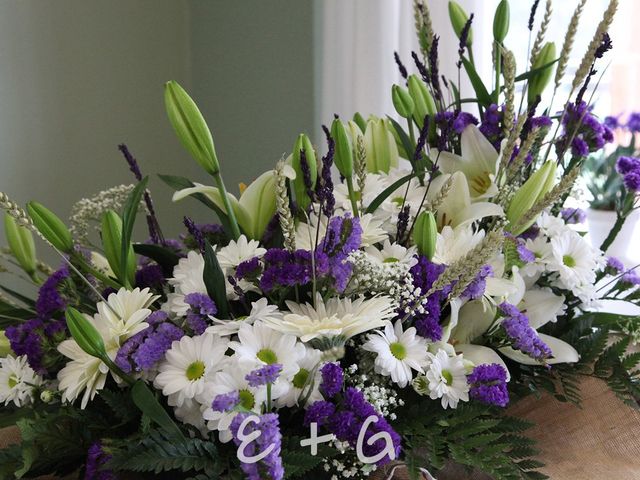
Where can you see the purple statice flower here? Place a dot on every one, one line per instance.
(424, 274)
(632, 181)
(490, 126)
(477, 287)
(520, 334)
(270, 437)
(573, 215)
(589, 134)
(150, 276)
(612, 121)
(249, 269)
(49, 300)
(626, 165)
(530, 233)
(332, 379)
(287, 269)
(525, 255)
(96, 459)
(26, 339)
(201, 307)
(146, 348)
(488, 384)
(319, 412)
(225, 402)
(463, 120)
(343, 236)
(631, 278)
(633, 122)
(195, 232)
(614, 266)
(540, 122)
(264, 375)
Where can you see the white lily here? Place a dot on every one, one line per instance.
(457, 208)
(254, 209)
(478, 163)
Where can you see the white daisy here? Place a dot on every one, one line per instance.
(541, 249)
(231, 379)
(188, 277)
(447, 379)
(374, 184)
(300, 383)
(124, 316)
(189, 364)
(260, 310)
(398, 352)
(17, 381)
(238, 251)
(259, 345)
(573, 259)
(372, 231)
(551, 225)
(335, 316)
(393, 253)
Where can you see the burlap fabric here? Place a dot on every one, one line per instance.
(600, 441)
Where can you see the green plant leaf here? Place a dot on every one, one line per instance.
(148, 404)
(478, 86)
(214, 280)
(388, 191)
(162, 256)
(129, 213)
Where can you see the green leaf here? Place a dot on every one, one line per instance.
(148, 404)
(528, 74)
(129, 213)
(162, 256)
(214, 280)
(408, 147)
(388, 191)
(180, 183)
(481, 91)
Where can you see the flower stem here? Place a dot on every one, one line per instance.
(235, 230)
(620, 219)
(352, 197)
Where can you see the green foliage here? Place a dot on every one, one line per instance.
(473, 435)
(298, 462)
(157, 452)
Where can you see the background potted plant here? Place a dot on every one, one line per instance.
(612, 178)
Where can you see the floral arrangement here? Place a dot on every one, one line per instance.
(381, 303)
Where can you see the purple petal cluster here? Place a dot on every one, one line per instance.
(633, 122)
(631, 278)
(49, 300)
(146, 348)
(96, 458)
(614, 266)
(287, 269)
(520, 334)
(573, 215)
(629, 168)
(424, 274)
(488, 384)
(271, 466)
(264, 375)
(343, 236)
(324, 187)
(225, 402)
(588, 134)
(200, 308)
(150, 276)
(613, 121)
(491, 125)
(463, 120)
(477, 287)
(332, 379)
(346, 419)
(249, 269)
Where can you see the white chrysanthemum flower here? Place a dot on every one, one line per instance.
(260, 310)
(454, 243)
(550, 225)
(189, 364)
(17, 380)
(573, 259)
(335, 317)
(301, 383)
(398, 352)
(374, 185)
(239, 251)
(188, 277)
(260, 345)
(447, 379)
(372, 231)
(231, 379)
(393, 253)
(541, 249)
(124, 316)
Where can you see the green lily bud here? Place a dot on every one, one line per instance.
(540, 80)
(425, 234)
(85, 334)
(501, 21)
(459, 19)
(536, 187)
(51, 227)
(402, 101)
(111, 233)
(303, 144)
(422, 99)
(21, 244)
(5, 347)
(190, 126)
(343, 157)
(360, 121)
(382, 152)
